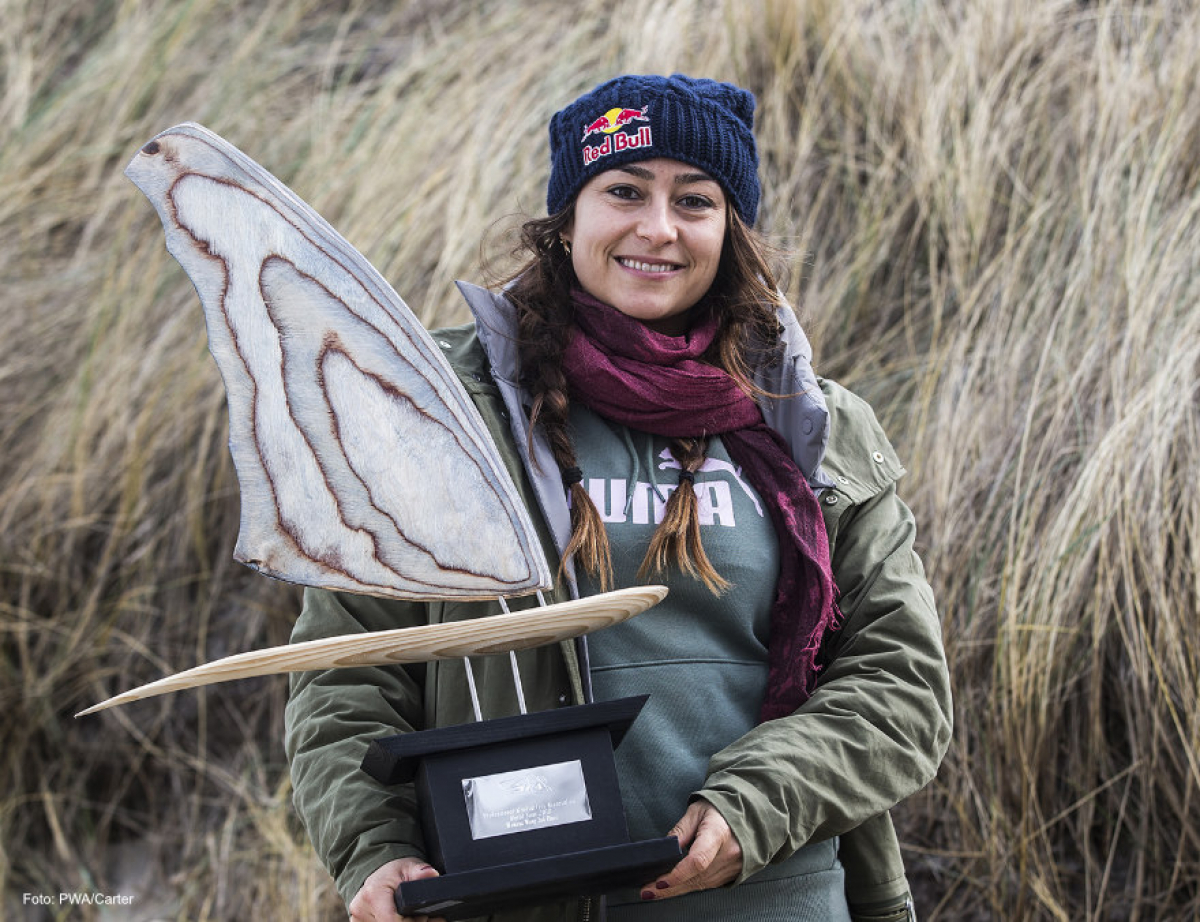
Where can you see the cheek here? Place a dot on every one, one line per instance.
(711, 238)
(712, 253)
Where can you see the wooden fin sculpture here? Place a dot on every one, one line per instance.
(516, 630)
(340, 403)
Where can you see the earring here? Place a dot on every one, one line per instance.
(566, 244)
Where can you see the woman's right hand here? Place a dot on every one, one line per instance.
(376, 901)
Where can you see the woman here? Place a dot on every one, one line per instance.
(652, 395)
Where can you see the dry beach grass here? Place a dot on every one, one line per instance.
(995, 215)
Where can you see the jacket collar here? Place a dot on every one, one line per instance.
(496, 325)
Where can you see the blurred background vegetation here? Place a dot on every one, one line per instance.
(993, 212)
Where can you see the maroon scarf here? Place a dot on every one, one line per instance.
(653, 382)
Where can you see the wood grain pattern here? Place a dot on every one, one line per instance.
(363, 464)
(517, 630)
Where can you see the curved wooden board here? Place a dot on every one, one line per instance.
(516, 630)
(363, 464)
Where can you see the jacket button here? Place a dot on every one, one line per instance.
(831, 499)
(878, 456)
(443, 344)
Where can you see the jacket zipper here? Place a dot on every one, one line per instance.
(585, 910)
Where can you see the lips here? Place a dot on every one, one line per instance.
(640, 265)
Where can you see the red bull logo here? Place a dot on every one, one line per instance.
(613, 119)
(608, 125)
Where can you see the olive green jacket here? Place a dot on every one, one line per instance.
(872, 733)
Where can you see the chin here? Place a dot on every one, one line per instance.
(669, 322)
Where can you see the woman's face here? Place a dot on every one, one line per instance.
(646, 238)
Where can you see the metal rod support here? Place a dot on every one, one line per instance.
(471, 685)
(512, 658)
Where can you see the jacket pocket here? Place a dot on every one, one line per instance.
(903, 913)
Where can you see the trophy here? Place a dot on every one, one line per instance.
(340, 407)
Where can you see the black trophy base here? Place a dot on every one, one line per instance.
(520, 811)
(538, 880)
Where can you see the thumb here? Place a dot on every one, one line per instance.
(687, 827)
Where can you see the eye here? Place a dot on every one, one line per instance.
(624, 191)
(697, 201)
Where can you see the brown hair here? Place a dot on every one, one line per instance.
(743, 296)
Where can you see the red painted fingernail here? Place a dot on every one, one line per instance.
(647, 894)
(661, 885)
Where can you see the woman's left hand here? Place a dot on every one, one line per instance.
(713, 857)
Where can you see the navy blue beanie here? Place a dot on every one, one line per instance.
(700, 122)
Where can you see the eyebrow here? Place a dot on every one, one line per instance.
(680, 180)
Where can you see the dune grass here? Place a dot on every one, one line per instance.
(994, 216)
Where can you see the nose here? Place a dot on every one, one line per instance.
(656, 223)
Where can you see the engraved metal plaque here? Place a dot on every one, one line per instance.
(530, 798)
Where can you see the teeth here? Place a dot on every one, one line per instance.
(647, 267)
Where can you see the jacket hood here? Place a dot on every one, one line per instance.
(798, 412)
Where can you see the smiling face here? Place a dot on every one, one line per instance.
(647, 237)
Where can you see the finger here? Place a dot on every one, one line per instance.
(691, 873)
(376, 901)
(706, 846)
(684, 831)
(418, 874)
(714, 859)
